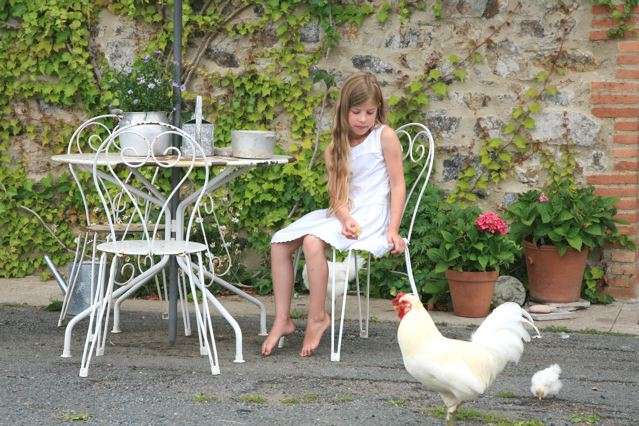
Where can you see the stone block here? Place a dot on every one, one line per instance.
(508, 289)
(372, 64)
(554, 316)
(560, 127)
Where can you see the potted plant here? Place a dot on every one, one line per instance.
(474, 246)
(559, 225)
(143, 92)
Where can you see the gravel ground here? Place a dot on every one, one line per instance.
(141, 380)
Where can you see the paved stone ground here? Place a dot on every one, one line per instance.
(140, 380)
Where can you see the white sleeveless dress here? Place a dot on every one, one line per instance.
(369, 194)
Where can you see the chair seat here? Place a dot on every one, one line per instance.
(121, 227)
(153, 247)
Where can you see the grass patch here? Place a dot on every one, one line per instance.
(253, 398)
(564, 329)
(470, 414)
(598, 332)
(54, 306)
(506, 394)
(557, 329)
(374, 320)
(398, 402)
(585, 418)
(306, 398)
(202, 398)
(297, 314)
(347, 397)
(73, 416)
(13, 305)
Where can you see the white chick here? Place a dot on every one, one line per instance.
(546, 382)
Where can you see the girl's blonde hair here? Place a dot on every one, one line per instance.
(356, 90)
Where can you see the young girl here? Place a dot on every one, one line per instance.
(366, 189)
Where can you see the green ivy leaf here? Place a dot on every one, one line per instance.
(529, 123)
(551, 91)
(460, 74)
(434, 74)
(440, 89)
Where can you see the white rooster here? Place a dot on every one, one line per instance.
(546, 382)
(339, 269)
(459, 370)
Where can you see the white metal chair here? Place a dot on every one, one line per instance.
(148, 241)
(419, 149)
(86, 139)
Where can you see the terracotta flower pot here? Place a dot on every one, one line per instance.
(553, 278)
(472, 292)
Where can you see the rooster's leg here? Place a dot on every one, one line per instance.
(450, 415)
(452, 404)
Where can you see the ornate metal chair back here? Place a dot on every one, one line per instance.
(146, 205)
(419, 151)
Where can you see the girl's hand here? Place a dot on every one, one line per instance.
(398, 242)
(350, 228)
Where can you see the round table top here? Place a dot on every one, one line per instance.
(114, 159)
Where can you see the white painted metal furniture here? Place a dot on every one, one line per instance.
(232, 167)
(150, 242)
(86, 139)
(419, 150)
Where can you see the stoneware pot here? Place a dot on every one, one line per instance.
(139, 140)
(472, 292)
(553, 278)
(252, 143)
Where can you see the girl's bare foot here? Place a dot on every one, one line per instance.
(315, 328)
(279, 329)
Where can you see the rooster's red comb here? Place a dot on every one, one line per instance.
(399, 295)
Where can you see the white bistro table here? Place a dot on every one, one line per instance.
(232, 167)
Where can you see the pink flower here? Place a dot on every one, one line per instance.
(491, 222)
(543, 198)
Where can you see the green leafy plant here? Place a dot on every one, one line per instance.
(621, 14)
(593, 288)
(566, 216)
(145, 86)
(473, 241)
(430, 283)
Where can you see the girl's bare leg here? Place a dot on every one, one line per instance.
(282, 273)
(318, 319)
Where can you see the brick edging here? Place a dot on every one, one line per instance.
(618, 100)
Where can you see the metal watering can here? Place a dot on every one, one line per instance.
(81, 281)
(200, 129)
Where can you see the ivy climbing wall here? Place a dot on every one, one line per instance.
(516, 94)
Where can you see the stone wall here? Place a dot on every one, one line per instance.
(595, 109)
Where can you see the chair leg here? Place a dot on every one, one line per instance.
(409, 271)
(296, 260)
(162, 292)
(203, 325)
(102, 335)
(204, 309)
(186, 319)
(97, 312)
(335, 353)
(96, 304)
(363, 331)
(215, 365)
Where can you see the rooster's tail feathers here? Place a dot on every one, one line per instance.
(529, 320)
(502, 332)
